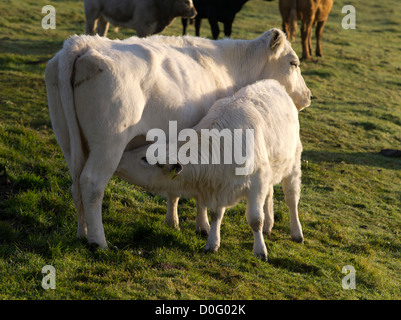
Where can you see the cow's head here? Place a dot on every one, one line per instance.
(184, 8)
(284, 66)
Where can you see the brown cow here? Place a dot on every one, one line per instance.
(310, 12)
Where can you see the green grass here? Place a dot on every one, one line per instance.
(351, 197)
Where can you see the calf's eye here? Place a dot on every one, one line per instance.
(294, 63)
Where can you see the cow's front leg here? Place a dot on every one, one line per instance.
(171, 218)
(213, 240)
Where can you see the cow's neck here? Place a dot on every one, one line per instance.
(247, 60)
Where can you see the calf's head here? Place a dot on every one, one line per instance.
(136, 168)
(284, 66)
(184, 8)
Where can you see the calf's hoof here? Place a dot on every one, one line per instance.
(202, 233)
(262, 256)
(299, 239)
(211, 248)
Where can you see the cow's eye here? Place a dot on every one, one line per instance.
(294, 64)
(145, 160)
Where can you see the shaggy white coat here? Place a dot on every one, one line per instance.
(264, 107)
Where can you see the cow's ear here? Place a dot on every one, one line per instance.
(173, 170)
(277, 40)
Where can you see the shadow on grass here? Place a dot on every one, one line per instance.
(293, 265)
(358, 158)
(29, 46)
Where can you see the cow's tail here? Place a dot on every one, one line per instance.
(293, 23)
(73, 48)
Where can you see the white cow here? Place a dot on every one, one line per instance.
(264, 107)
(147, 17)
(104, 95)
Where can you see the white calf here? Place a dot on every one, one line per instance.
(264, 107)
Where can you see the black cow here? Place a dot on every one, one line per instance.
(215, 11)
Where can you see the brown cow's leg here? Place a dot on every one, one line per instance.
(319, 31)
(286, 29)
(306, 31)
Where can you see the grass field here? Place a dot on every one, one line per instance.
(350, 207)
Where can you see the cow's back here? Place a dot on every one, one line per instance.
(146, 82)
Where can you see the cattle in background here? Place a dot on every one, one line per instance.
(147, 17)
(215, 11)
(310, 12)
(105, 95)
(267, 108)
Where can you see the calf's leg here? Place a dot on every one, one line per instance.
(171, 218)
(213, 240)
(201, 221)
(269, 214)
(255, 217)
(292, 188)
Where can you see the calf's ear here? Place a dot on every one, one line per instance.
(277, 40)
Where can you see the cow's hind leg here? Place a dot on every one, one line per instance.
(95, 175)
(319, 32)
(77, 197)
(292, 188)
